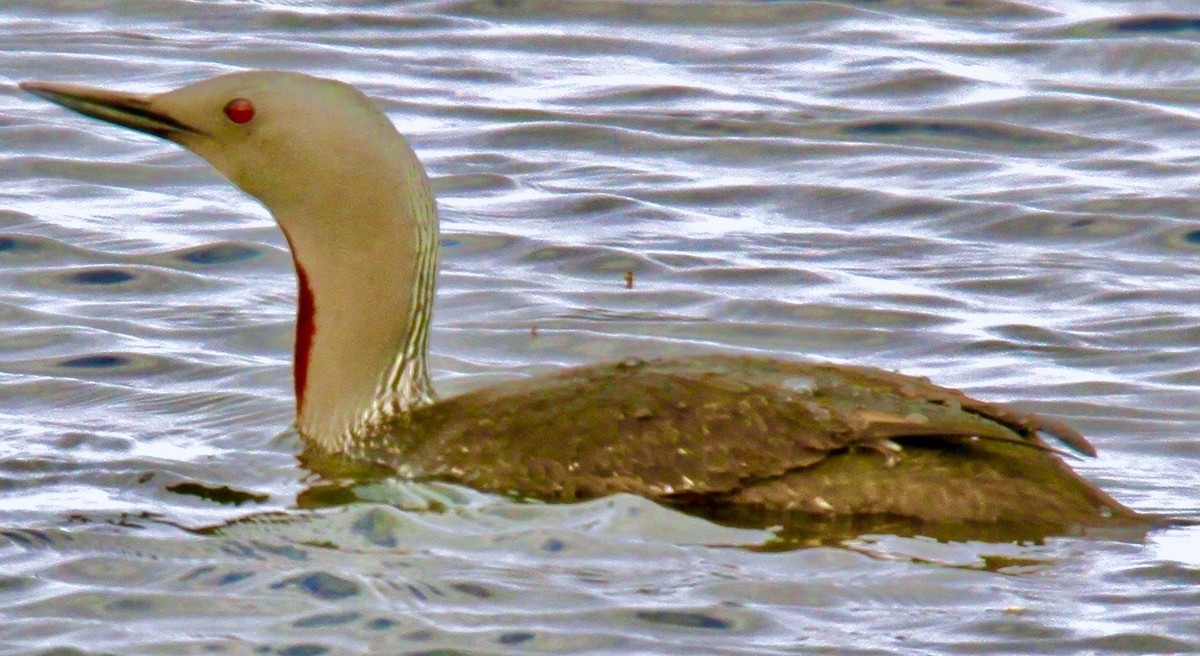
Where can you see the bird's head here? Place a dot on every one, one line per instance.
(354, 203)
(274, 134)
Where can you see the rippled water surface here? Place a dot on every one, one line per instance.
(999, 195)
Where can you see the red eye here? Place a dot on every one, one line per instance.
(240, 110)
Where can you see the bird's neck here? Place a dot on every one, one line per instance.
(366, 260)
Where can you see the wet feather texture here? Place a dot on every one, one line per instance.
(746, 435)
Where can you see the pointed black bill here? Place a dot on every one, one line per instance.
(125, 109)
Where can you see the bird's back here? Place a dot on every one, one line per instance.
(751, 437)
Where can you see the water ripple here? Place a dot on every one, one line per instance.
(994, 193)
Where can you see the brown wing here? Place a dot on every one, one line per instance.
(1025, 424)
(693, 427)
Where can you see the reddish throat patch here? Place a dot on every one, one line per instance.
(305, 328)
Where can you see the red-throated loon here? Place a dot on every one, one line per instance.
(750, 434)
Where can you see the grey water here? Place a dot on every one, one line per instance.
(1000, 195)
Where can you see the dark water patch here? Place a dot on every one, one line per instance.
(303, 649)
(199, 572)
(381, 624)
(31, 537)
(130, 605)
(328, 496)
(1166, 24)
(99, 365)
(961, 131)
(224, 253)
(19, 246)
(324, 620)
(473, 589)
(95, 362)
(684, 619)
(240, 550)
(288, 551)
(18, 537)
(135, 282)
(321, 585)
(515, 638)
(230, 578)
(223, 494)
(1181, 239)
(99, 276)
(378, 527)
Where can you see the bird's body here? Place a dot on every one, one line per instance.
(745, 436)
(772, 435)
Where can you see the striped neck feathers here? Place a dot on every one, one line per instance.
(366, 253)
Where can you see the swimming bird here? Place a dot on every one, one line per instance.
(740, 436)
